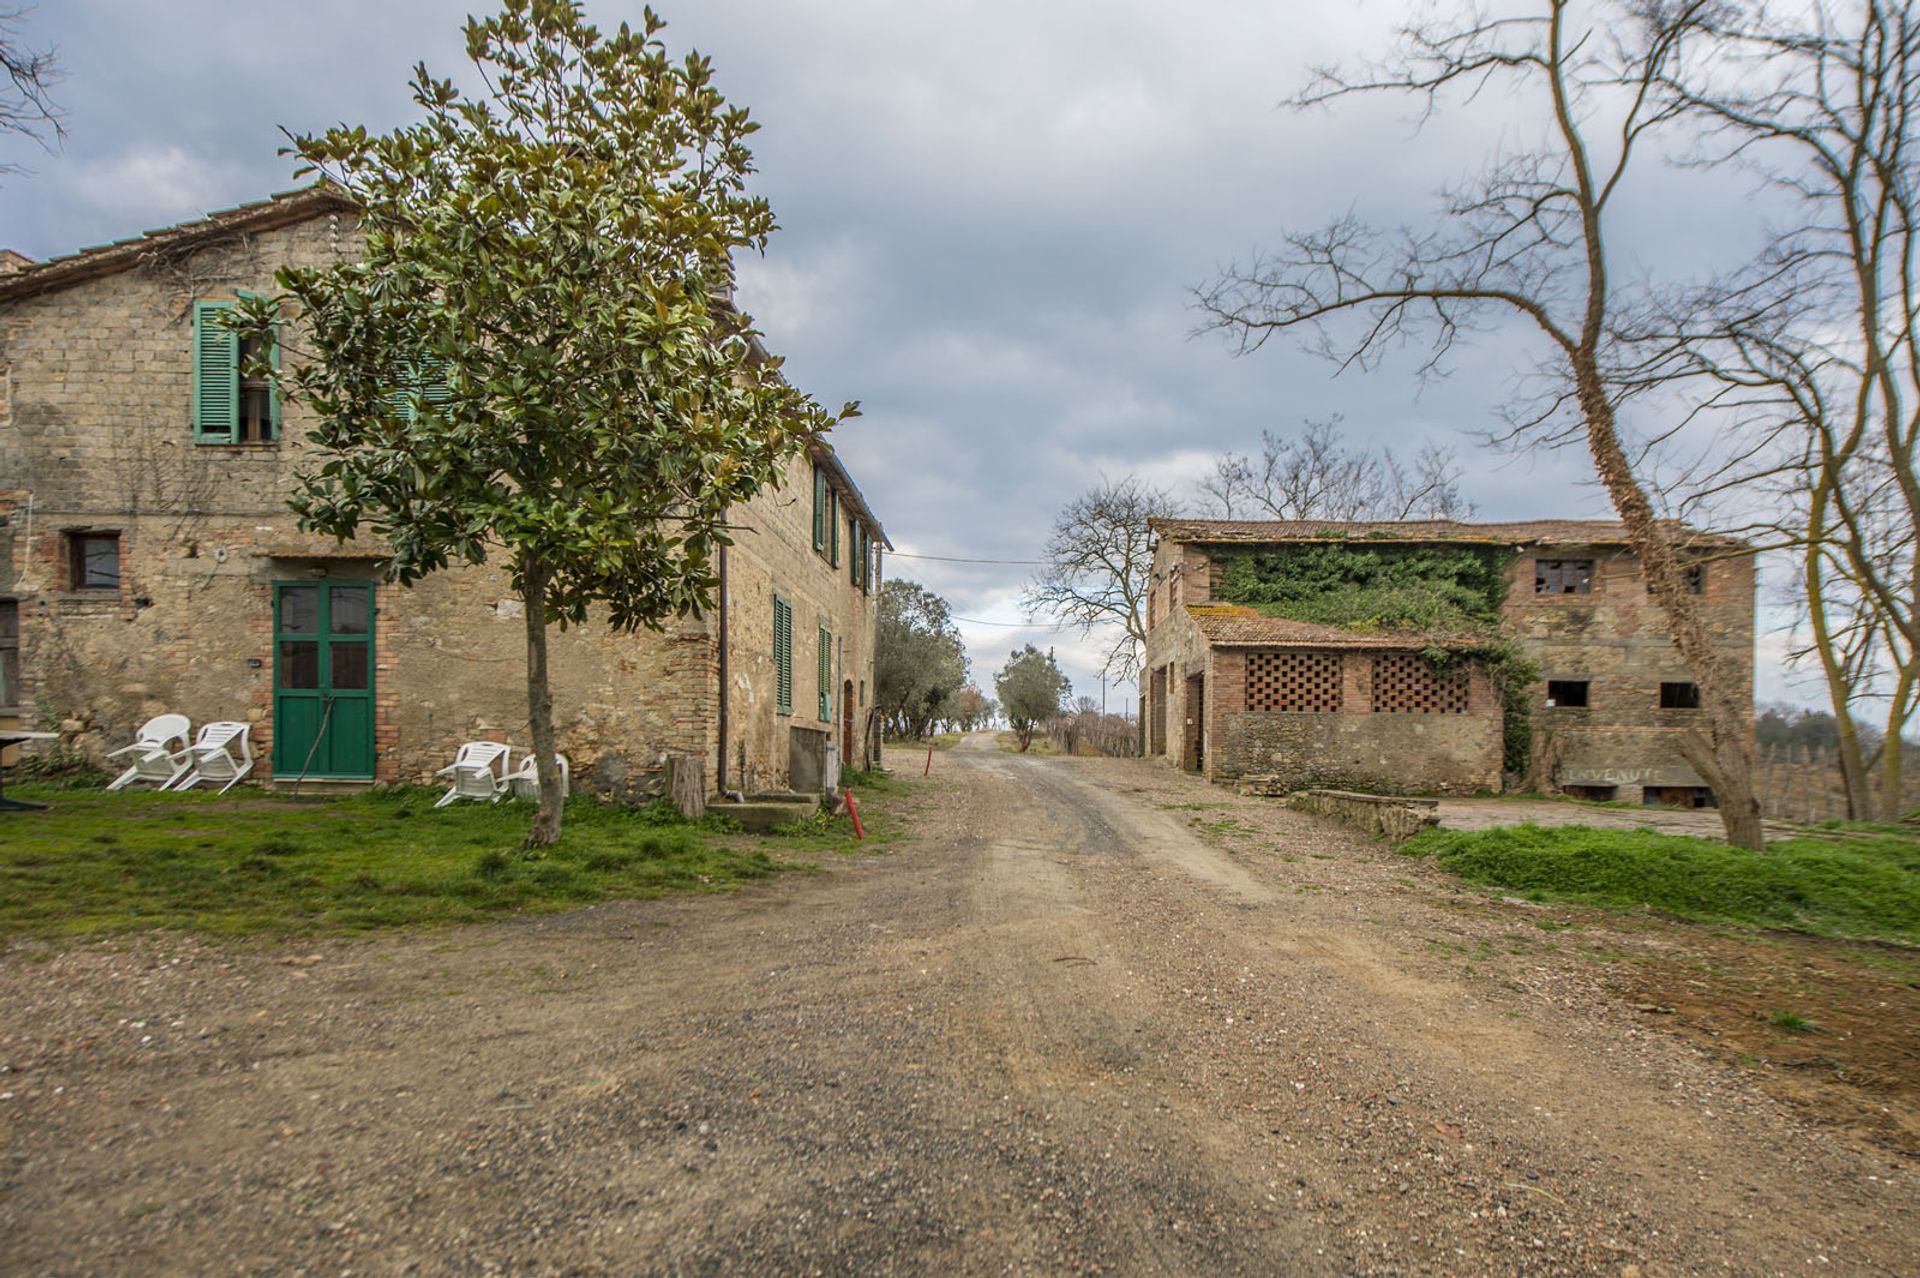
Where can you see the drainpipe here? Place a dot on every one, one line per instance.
(720, 774)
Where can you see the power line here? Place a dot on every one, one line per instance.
(954, 559)
(1011, 625)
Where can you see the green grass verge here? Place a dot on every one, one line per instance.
(97, 862)
(1856, 883)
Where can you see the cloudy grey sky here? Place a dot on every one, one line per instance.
(991, 212)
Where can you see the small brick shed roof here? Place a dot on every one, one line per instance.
(1233, 626)
(1539, 532)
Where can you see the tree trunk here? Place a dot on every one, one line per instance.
(533, 594)
(1893, 748)
(1853, 765)
(1724, 758)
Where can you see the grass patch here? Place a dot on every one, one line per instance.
(100, 863)
(1853, 883)
(1791, 1022)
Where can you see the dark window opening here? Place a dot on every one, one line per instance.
(1678, 796)
(95, 560)
(1563, 576)
(256, 395)
(1696, 579)
(1679, 696)
(9, 652)
(1592, 793)
(1568, 694)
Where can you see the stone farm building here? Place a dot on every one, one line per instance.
(1233, 691)
(148, 562)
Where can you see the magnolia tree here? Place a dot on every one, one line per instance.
(536, 363)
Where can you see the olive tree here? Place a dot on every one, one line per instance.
(1032, 690)
(536, 362)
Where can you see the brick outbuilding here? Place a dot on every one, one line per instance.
(1232, 692)
(149, 564)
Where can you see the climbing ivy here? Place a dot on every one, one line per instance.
(1455, 590)
(1449, 596)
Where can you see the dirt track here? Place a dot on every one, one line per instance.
(1080, 1026)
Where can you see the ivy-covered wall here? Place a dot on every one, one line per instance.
(1448, 598)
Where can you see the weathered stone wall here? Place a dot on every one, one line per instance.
(1356, 747)
(1615, 638)
(95, 433)
(1393, 819)
(773, 553)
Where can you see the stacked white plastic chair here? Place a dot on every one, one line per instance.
(524, 781)
(223, 752)
(479, 771)
(158, 753)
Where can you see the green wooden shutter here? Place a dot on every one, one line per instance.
(782, 656)
(216, 375)
(819, 509)
(826, 675)
(833, 523)
(431, 380)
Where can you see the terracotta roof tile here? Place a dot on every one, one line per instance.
(1229, 625)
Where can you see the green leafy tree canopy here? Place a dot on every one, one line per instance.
(1032, 689)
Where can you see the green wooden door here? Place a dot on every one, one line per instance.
(323, 679)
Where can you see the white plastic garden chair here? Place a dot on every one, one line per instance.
(479, 771)
(222, 752)
(524, 781)
(157, 752)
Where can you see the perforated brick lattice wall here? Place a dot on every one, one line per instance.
(1403, 683)
(1293, 681)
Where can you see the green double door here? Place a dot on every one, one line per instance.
(323, 679)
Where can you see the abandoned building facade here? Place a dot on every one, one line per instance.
(1233, 691)
(149, 563)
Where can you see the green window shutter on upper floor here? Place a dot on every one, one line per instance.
(782, 656)
(833, 523)
(819, 509)
(826, 675)
(216, 373)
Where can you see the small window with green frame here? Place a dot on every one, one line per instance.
(234, 401)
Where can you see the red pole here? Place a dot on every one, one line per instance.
(928, 770)
(854, 812)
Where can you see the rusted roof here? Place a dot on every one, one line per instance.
(1233, 626)
(1549, 532)
(281, 209)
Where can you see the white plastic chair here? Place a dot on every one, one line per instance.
(524, 781)
(222, 752)
(156, 752)
(479, 771)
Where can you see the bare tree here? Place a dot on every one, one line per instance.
(1523, 239)
(1812, 355)
(1096, 566)
(1314, 475)
(26, 93)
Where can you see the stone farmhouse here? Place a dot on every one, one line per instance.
(1234, 692)
(148, 562)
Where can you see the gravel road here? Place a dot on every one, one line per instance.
(1098, 1018)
